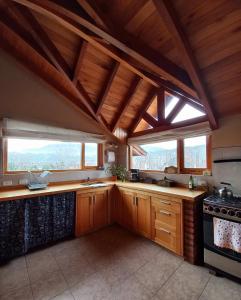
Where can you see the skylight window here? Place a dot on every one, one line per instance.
(170, 103)
(188, 112)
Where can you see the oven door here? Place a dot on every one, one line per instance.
(209, 239)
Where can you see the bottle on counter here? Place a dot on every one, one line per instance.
(191, 183)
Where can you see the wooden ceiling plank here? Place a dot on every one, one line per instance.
(170, 126)
(80, 59)
(131, 92)
(106, 87)
(169, 16)
(148, 100)
(158, 64)
(150, 120)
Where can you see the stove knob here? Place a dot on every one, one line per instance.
(210, 208)
(217, 209)
(238, 214)
(231, 212)
(224, 211)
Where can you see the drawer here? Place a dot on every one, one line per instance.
(165, 204)
(166, 238)
(166, 217)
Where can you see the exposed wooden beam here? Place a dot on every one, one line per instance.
(174, 26)
(161, 106)
(178, 107)
(150, 120)
(106, 88)
(148, 100)
(170, 126)
(77, 70)
(156, 63)
(131, 92)
(53, 53)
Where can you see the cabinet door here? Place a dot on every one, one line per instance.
(128, 209)
(100, 209)
(143, 215)
(84, 213)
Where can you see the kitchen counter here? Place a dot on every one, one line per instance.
(179, 192)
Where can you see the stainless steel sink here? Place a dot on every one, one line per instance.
(95, 184)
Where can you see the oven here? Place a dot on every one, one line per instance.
(222, 259)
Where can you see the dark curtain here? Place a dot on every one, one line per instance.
(29, 223)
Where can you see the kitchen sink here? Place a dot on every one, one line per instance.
(95, 184)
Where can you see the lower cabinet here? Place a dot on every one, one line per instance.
(167, 223)
(135, 211)
(92, 211)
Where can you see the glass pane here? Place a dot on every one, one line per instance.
(152, 110)
(156, 156)
(188, 112)
(195, 154)
(91, 154)
(170, 103)
(38, 155)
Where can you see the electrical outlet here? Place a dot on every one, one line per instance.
(23, 181)
(7, 182)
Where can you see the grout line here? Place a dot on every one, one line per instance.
(205, 287)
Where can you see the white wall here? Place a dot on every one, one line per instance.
(26, 97)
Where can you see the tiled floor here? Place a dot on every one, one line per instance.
(110, 264)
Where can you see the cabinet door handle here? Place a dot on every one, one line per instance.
(165, 202)
(165, 212)
(164, 230)
(136, 201)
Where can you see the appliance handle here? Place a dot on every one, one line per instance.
(226, 183)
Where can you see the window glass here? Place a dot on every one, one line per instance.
(91, 154)
(156, 156)
(38, 155)
(188, 112)
(170, 103)
(195, 153)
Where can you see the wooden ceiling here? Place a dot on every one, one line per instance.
(118, 60)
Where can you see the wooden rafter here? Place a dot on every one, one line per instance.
(157, 64)
(150, 120)
(148, 100)
(106, 88)
(77, 70)
(169, 16)
(170, 126)
(131, 92)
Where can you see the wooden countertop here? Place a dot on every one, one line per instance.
(178, 192)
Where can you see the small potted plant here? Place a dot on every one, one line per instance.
(117, 170)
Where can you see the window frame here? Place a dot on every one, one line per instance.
(100, 160)
(180, 159)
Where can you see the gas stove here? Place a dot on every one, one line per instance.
(226, 208)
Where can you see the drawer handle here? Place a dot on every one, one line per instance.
(164, 230)
(165, 213)
(165, 202)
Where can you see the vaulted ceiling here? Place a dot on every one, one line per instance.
(121, 62)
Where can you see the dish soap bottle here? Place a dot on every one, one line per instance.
(191, 183)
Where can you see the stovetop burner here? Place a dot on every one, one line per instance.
(234, 202)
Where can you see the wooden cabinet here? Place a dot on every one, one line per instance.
(135, 211)
(167, 223)
(92, 211)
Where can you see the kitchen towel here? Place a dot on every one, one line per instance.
(227, 234)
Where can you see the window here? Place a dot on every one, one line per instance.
(190, 155)
(156, 156)
(38, 155)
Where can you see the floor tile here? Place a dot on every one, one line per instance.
(13, 275)
(94, 287)
(66, 295)
(130, 289)
(53, 285)
(40, 264)
(221, 289)
(24, 293)
(187, 283)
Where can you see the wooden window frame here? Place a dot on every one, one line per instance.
(180, 159)
(100, 160)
